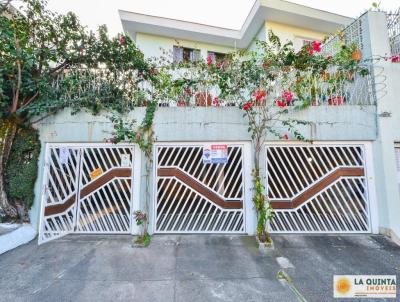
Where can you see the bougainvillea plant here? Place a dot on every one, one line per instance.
(49, 62)
(270, 84)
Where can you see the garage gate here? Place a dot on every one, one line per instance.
(318, 188)
(87, 189)
(197, 197)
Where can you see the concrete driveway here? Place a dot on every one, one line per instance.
(188, 268)
(173, 268)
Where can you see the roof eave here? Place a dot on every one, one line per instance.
(269, 10)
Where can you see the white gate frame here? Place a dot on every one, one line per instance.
(249, 218)
(135, 186)
(369, 172)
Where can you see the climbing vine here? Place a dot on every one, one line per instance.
(270, 84)
(143, 136)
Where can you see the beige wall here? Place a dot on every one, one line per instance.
(297, 35)
(152, 45)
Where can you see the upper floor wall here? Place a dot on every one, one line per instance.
(288, 33)
(297, 35)
(154, 46)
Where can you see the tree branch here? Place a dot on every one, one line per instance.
(14, 105)
(59, 67)
(42, 118)
(26, 103)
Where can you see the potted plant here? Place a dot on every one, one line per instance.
(181, 104)
(203, 99)
(325, 76)
(356, 55)
(336, 100)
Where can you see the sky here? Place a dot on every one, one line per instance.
(223, 13)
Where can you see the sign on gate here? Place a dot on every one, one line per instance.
(125, 160)
(64, 155)
(96, 173)
(215, 154)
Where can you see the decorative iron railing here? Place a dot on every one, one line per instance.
(355, 33)
(393, 24)
(335, 88)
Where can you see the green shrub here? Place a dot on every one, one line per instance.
(22, 167)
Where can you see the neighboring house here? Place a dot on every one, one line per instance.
(345, 182)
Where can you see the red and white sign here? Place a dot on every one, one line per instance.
(215, 154)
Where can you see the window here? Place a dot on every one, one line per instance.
(184, 54)
(216, 56)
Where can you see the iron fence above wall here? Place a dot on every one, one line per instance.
(393, 24)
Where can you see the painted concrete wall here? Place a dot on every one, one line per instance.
(387, 79)
(295, 34)
(261, 36)
(180, 124)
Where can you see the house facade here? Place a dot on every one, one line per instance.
(345, 181)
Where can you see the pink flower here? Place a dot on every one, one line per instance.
(122, 40)
(216, 101)
(285, 136)
(281, 104)
(247, 106)
(395, 59)
(219, 65)
(259, 94)
(181, 104)
(316, 46)
(209, 60)
(287, 96)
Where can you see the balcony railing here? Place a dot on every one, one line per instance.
(393, 23)
(336, 88)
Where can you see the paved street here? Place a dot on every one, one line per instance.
(188, 268)
(317, 258)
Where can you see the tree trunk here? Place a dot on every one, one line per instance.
(8, 130)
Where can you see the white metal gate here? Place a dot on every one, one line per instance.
(196, 197)
(87, 189)
(318, 188)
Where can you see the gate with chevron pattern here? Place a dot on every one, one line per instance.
(87, 189)
(196, 197)
(318, 188)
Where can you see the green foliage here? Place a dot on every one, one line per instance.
(50, 61)
(140, 217)
(22, 166)
(143, 240)
(263, 208)
(142, 135)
